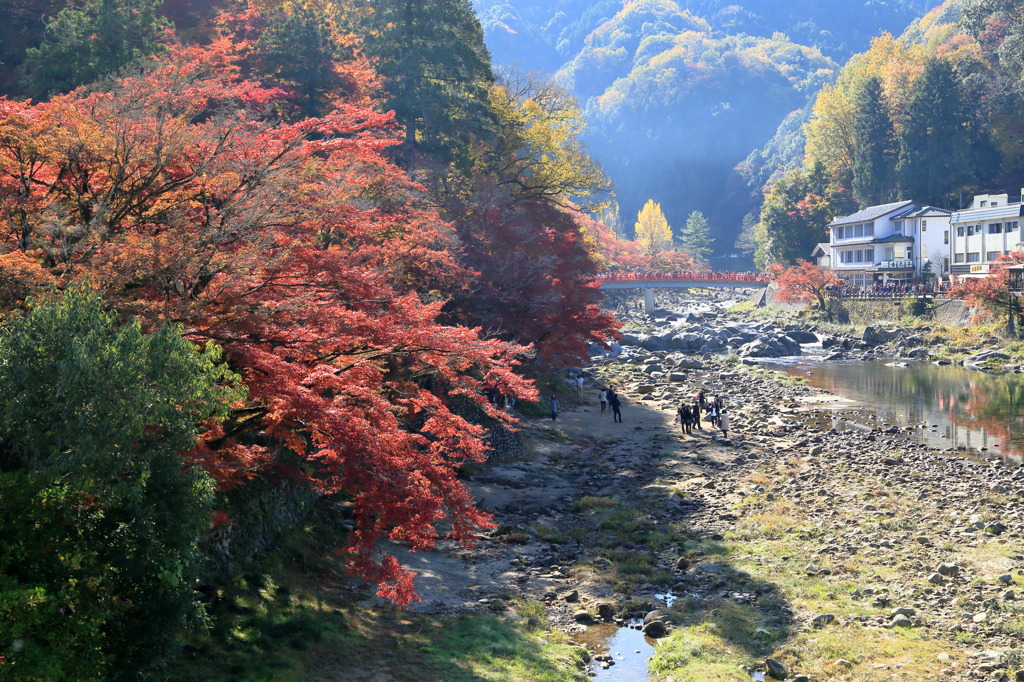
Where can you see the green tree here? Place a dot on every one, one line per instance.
(652, 230)
(100, 514)
(874, 147)
(935, 143)
(746, 242)
(437, 67)
(299, 49)
(795, 215)
(696, 237)
(86, 42)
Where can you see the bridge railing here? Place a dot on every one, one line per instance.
(751, 277)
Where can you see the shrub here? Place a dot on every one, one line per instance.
(100, 515)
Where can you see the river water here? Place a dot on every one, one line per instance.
(945, 407)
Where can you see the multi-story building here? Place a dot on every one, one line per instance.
(979, 234)
(890, 243)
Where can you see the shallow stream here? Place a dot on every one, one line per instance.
(944, 407)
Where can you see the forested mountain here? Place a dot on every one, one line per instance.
(678, 93)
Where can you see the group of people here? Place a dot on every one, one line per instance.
(689, 414)
(893, 290)
(609, 399)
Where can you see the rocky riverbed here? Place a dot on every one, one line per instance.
(785, 550)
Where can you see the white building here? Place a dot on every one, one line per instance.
(986, 230)
(889, 243)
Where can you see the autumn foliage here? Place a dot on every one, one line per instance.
(994, 294)
(300, 249)
(804, 282)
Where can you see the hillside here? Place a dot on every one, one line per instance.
(679, 93)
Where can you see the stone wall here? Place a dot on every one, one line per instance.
(950, 312)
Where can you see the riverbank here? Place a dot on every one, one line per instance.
(839, 556)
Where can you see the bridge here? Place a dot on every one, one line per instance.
(649, 281)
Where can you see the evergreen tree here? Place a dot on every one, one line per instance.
(299, 50)
(696, 237)
(652, 230)
(84, 43)
(437, 67)
(746, 243)
(874, 147)
(935, 144)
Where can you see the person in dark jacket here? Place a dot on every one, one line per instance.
(615, 404)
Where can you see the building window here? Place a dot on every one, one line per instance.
(959, 230)
(973, 257)
(995, 228)
(992, 255)
(958, 258)
(945, 237)
(924, 226)
(971, 229)
(899, 226)
(1011, 226)
(869, 229)
(984, 204)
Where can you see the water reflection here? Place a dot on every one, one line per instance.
(953, 407)
(629, 648)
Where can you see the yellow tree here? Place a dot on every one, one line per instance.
(651, 230)
(540, 128)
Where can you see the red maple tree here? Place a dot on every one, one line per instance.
(805, 282)
(301, 250)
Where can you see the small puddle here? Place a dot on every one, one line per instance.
(629, 649)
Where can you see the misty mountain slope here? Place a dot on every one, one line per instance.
(678, 93)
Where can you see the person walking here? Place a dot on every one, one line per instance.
(615, 404)
(723, 423)
(713, 414)
(695, 409)
(554, 407)
(579, 386)
(603, 397)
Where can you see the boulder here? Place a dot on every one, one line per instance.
(801, 337)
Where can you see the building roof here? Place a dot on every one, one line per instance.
(979, 215)
(923, 212)
(891, 239)
(820, 249)
(871, 213)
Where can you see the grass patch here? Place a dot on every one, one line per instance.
(549, 533)
(589, 502)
